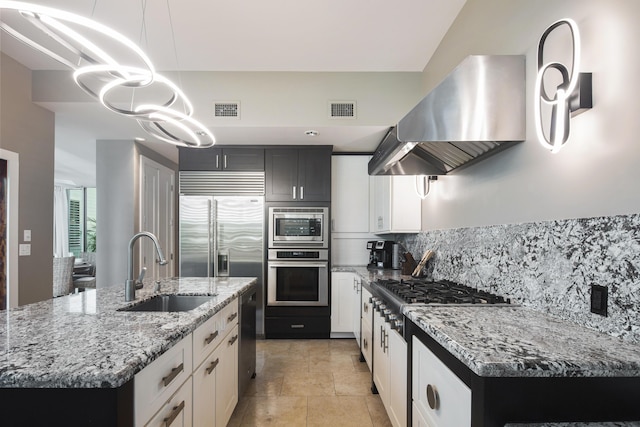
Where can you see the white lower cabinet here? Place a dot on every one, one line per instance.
(397, 398)
(227, 378)
(177, 411)
(195, 382)
(390, 351)
(440, 398)
(366, 328)
(342, 295)
(155, 384)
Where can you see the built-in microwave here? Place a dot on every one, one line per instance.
(298, 227)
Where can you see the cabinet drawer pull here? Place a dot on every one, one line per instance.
(365, 344)
(381, 336)
(301, 193)
(294, 192)
(365, 307)
(231, 317)
(233, 339)
(225, 161)
(212, 366)
(297, 326)
(174, 373)
(217, 161)
(433, 397)
(174, 414)
(211, 337)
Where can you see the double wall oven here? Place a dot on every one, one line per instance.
(297, 303)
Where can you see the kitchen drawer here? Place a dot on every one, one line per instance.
(452, 406)
(294, 327)
(208, 335)
(157, 382)
(177, 411)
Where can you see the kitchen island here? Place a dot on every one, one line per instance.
(74, 357)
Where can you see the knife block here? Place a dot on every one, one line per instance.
(408, 265)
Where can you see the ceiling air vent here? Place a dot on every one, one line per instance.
(342, 109)
(227, 109)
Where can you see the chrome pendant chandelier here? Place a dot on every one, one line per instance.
(105, 62)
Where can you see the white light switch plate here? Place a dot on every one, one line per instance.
(25, 249)
(27, 235)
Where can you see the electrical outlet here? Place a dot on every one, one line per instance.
(599, 299)
(27, 235)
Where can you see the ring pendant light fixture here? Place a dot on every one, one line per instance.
(86, 47)
(572, 96)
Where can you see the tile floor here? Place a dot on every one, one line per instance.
(309, 383)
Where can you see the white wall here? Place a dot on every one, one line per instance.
(597, 173)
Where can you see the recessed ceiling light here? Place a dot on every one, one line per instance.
(311, 133)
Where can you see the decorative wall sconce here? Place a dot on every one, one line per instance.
(573, 94)
(423, 185)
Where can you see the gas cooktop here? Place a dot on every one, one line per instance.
(422, 291)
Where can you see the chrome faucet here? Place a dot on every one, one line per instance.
(131, 285)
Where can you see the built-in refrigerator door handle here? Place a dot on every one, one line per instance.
(214, 238)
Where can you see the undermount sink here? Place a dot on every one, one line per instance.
(170, 303)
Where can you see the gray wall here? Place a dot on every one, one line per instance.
(117, 183)
(597, 172)
(28, 130)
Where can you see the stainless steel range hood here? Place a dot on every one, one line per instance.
(475, 112)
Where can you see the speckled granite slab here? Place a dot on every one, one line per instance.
(547, 265)
(521, 342)
(83, 341)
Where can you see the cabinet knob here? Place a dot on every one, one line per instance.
(365, 344)
(433, 398)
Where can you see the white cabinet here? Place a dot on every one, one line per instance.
(355, 307)
(440, 398)
(349, 194)
(155, 384)
(342, 305)
(366, 328)
(397, 399)
(381, 357)
(395, 206)
(177, 411)
(390, 352)
(195, 382)
(215, 379)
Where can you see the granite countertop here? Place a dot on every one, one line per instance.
(516, 341)
(83, 341)
(521, 342)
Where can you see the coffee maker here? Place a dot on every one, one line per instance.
(380, 253)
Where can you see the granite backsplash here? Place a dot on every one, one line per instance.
(548, 266)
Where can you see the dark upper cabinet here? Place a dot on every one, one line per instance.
(221, 159)
(298, 174)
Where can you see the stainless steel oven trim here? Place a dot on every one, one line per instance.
(299, 241)
(323, 285)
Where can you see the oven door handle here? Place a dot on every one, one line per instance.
(298, 264)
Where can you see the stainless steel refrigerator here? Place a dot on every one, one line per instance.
(223, 236)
